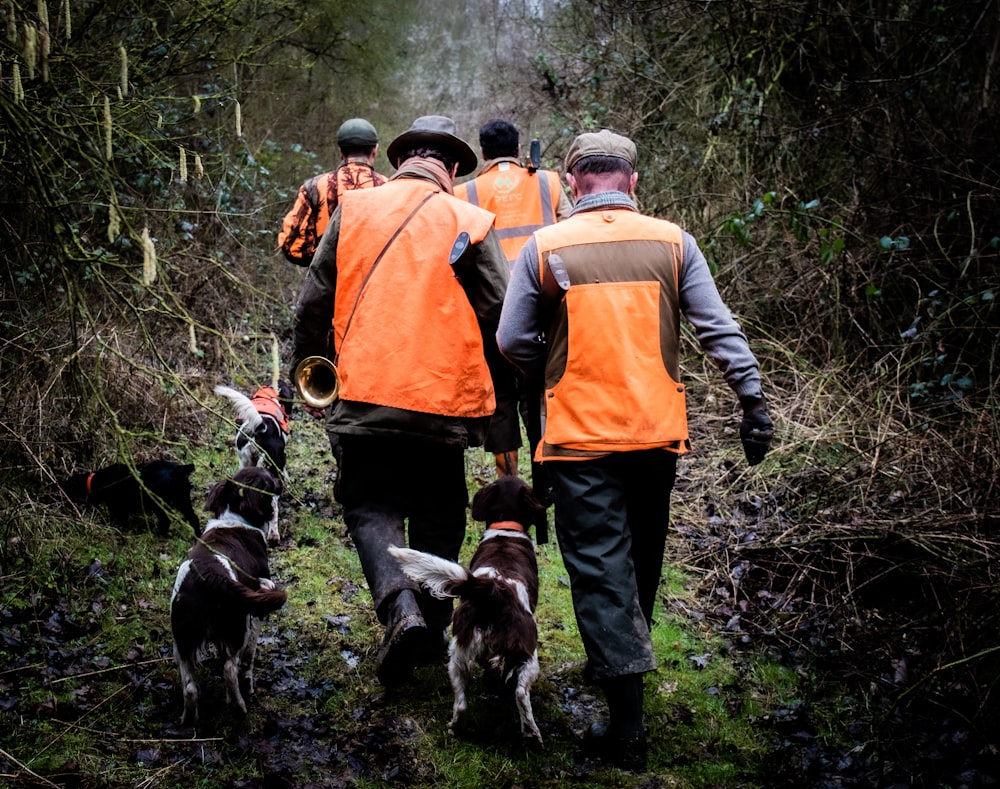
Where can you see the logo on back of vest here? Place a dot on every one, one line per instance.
(503, 184)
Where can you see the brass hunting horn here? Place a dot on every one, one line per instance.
(317, 381)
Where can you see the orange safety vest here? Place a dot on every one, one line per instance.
(522, 201)
(305, 224)
(612, 370)
(408, 337)
(266, 401)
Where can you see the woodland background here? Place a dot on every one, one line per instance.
(836, 159)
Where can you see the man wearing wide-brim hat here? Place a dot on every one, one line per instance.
(413, 280)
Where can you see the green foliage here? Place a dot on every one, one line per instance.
(143, 187)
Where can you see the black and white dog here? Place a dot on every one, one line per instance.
(263, 425)
(494, 624)
(263, 432)
(161, 485)
(224, 586)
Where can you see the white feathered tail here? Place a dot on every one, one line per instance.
(439, 576)
(246, 411)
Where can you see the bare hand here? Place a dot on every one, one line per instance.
(315, 413)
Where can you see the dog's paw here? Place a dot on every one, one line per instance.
(266, 584)
(533, 740)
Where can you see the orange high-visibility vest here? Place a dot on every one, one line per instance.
(305, 224)
(612, 377)
(412, 339)
(266, 401)
(522, 201)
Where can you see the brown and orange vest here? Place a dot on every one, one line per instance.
(612, 375)
(407, 336)
(522, 201)
(304, 225)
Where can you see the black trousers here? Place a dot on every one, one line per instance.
(611, 517)
(403, 492)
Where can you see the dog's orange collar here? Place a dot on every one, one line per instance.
(507, 526)
(90, 479)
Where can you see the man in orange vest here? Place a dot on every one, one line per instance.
(605, 290)
(304, 224)
(524, 199)
(413, 279)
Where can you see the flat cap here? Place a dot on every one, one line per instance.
(356, 132)
(602, 143)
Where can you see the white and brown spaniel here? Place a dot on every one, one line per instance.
(224, 586)
(494, 624)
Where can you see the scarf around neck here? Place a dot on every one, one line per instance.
(427, 168)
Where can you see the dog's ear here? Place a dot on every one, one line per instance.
(533, 509)
(75, 487)
(483, 502)
(218, 497)
(257, 489)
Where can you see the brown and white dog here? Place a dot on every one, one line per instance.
(494, 624)
(224, 586)
(262, 432)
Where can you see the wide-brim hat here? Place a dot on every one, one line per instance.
(435, 131)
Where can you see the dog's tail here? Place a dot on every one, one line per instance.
(265, 600)
(259, 602)
(256, 602)
(246, 411)
(442, 578)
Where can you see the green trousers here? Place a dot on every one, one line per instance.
(611, 518)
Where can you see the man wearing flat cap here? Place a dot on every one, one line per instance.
(304, 224)
(593, 308)
(413, 279)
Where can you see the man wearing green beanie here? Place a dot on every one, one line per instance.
(305, 222)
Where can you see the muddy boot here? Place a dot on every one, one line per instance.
(407, 639)
(622, 740)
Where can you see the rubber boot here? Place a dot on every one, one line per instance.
(622, 740)
(373, 529)
(406, 640)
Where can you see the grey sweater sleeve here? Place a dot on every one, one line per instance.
(520, 329)
(718, 333)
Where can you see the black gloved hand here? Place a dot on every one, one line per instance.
(756, 429)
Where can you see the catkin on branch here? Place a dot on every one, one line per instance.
(108, 153)
(148, 258)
